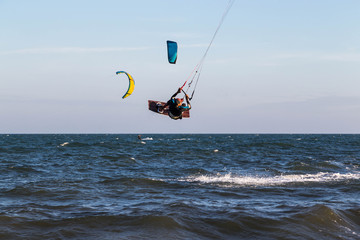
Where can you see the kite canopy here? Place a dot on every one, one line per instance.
(131, 84)
(172, 51)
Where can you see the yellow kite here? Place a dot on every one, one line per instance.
(131, 84)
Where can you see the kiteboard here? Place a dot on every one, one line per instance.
(156, 106)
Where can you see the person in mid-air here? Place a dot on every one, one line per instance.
(177, 105)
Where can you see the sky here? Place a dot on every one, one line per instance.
(275, 66)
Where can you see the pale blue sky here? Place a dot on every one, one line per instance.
(276, 66)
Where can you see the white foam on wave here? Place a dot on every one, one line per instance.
(64, 144)
(321, 177)
(182, 139)
(147, 139)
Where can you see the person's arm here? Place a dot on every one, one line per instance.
(188, 101)
(173, 96)
(178, 91)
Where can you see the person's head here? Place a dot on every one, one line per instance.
(179, 101)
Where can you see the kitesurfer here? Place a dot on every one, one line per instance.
(177, 105)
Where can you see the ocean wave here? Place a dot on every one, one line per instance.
(39, 192)
(74, 144)
(320, 219)
(23, 169)
(64, 144)
(182, 139)
(147, 139)
(314, 222)
(309, 165)
(92, 227)
(321, 177)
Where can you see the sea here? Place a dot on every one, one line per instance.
(179, 186)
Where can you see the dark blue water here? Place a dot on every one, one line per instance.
(180, 187)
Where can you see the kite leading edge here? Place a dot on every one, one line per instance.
(131, 84)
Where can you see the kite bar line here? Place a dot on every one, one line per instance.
(198, 67)
(192, 72)
(183, 85)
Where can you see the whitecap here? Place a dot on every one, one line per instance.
(64, 144)
(147, 139)
(321, 177)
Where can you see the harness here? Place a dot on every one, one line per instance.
(175, 111)
(174, 117)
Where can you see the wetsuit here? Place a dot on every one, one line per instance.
(174, 111)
